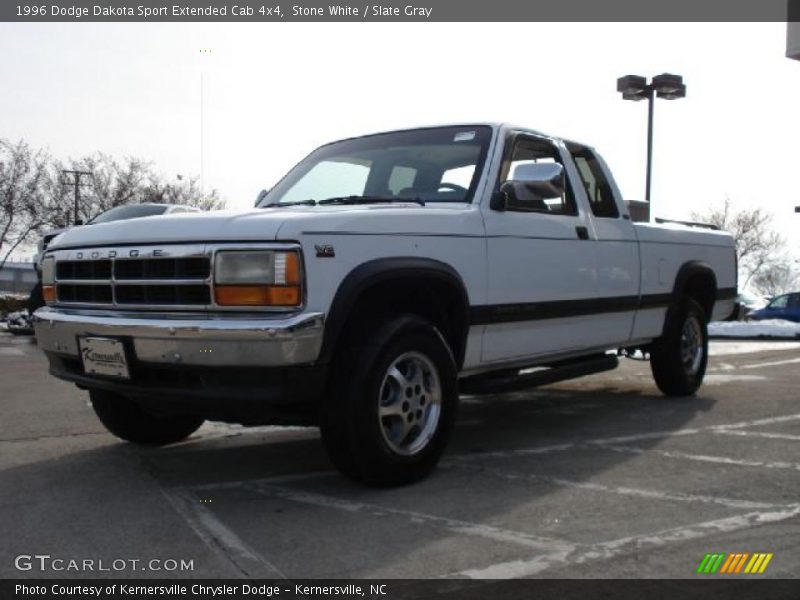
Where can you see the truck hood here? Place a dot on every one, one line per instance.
(269, 224)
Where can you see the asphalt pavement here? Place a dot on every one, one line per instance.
(596, 477)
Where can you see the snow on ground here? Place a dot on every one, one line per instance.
(727, 348)
(753, 329)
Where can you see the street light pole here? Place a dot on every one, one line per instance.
(636, 88)
(76, 183)
(650, 106)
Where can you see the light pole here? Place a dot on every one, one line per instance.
(77, 183)
(635, 87)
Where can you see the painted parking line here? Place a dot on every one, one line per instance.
(761, 365)
(758, 434)
(459, 526)
(648, 494)
(636, 437)
(720, 378)
(722, 460)
(610, 549)
(220, 538)
(6, 351)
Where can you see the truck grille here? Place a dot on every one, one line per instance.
(115, 278)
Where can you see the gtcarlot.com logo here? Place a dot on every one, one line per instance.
(45, 562)
(734, 563)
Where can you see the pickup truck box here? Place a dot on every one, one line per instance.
(378, 279)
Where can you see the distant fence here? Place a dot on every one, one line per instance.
(17, 277)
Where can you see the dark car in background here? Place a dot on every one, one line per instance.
(785, 307)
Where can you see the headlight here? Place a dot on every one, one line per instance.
(49, 279)
(257, 278)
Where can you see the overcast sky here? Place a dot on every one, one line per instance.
(273, 92)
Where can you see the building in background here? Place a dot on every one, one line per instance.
(17, 277)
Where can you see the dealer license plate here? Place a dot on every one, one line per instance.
(103, 356)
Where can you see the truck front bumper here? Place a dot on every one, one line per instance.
(228, 366)
(209, 342)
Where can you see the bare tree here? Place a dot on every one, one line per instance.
(133, 181)
(34, 195)
(23, 205)
(184, 190)
(758, 245)
(776, 279)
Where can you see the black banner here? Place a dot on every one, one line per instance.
(402, 10)
(455, 589)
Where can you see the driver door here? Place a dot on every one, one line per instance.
(542, 266)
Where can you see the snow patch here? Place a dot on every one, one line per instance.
(753, 329)
(720, 348)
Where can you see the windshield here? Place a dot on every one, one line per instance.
(130, 211)
(425, 165)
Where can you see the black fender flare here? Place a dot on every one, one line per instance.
(381, 270)
(685, 273)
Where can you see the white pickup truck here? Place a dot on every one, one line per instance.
(379, 278)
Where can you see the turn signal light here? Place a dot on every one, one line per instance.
(257, 295)
(49, 293)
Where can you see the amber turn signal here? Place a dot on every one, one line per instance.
(257, 295)
(49, 293)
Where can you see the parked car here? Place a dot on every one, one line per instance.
(746, 303)
(19, 323)
(118, 213)
(378, 279)
(785, 307)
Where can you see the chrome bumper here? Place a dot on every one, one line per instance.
(215, 341)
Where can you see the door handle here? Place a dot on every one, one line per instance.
(583, 233)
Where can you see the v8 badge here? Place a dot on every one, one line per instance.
(325, 250)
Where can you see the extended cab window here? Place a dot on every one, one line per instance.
(440, 164)
(533, 151)
(598, 189)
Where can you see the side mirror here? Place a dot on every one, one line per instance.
(260, 196)
(531, 186)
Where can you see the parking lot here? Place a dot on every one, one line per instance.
(597, 477)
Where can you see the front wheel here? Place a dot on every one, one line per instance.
(130, 422)
(679, 357)
(393, 403)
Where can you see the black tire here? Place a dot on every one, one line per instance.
(36, 298)
(357, 438)
(676, 369)
(128, 421)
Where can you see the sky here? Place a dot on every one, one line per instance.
(272, 92)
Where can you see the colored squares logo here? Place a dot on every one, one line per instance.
(735, 563)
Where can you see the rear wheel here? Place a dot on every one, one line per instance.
(679, 357)
(128, 421)
(393, 403)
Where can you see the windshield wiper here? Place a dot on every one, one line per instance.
(368, 200)
(308, 202)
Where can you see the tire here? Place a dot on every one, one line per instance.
(36, 298)
(128, 421)
(393, 403)
(679, 357)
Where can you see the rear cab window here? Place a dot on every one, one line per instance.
(595, 183)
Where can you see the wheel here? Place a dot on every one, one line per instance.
(393, 403)
(679, 357)
(35, 299)
(128, 421)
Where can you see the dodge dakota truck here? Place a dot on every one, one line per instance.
(380, 278)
